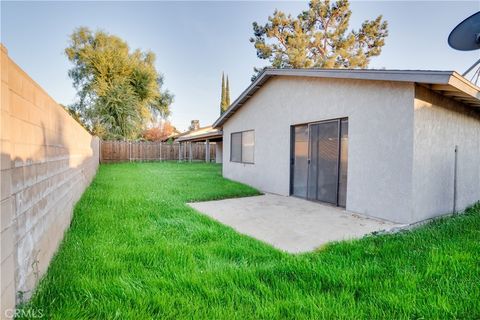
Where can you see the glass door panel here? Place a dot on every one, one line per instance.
(300, 161)
(324, 160)
(343, 170)
(312, 162)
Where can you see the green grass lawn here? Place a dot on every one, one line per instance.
(135, 250)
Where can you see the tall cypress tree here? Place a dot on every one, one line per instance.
(223, 102)
(227, 93)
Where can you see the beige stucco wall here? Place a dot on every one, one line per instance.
(47, 160)
(380, 138)
(441, 124)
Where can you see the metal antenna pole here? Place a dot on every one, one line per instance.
(471, 68)
(477, 74)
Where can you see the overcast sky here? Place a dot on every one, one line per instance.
(196, 41)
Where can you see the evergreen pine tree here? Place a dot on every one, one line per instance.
(319, 37)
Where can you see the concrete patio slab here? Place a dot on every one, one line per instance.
(290, 224)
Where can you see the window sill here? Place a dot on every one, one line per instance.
(242, 162)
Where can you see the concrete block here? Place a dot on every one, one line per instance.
(30, 175)
(42, 169)
(7, 303)
(4, 66)
(18, 179)
(18, 106)
(28, 89)
(52, 138)
(44, 187)
(5, 152)
(26, 136)
(5, 101)
(7, 213)
(7, 272)
(41, 206)
(5, 125)
(37, 193)
(26, 199)
(39, 154)
(21, 153)
(24, 257)
(22, 201)
(15, 79)
(51, 152)
(20, 226)
(38, 137)
(6, 183)
(30, 283)
(39, 99)
(8, 241)
(16, 130)
(32, 217)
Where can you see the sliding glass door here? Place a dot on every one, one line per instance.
(320, 161)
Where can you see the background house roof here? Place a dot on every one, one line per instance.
(448, 83)
(200, 135)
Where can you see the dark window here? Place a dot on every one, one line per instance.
(236, 147)
(242, 147)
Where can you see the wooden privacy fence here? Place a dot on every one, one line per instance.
(118, 151)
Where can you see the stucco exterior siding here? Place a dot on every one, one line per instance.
(440, 124)
(218, 152)
(380, 155)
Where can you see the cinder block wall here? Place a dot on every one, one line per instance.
(47, 161)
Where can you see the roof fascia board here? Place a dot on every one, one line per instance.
(462, 85)
(437, 77)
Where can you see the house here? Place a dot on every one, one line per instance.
(207, 135)
(397, 145)
(172, 136)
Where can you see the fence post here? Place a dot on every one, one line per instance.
(190, 151)
(207, 150)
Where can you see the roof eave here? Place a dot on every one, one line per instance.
(462, 89)
(203, 136)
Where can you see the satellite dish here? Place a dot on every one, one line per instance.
(466, 36)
